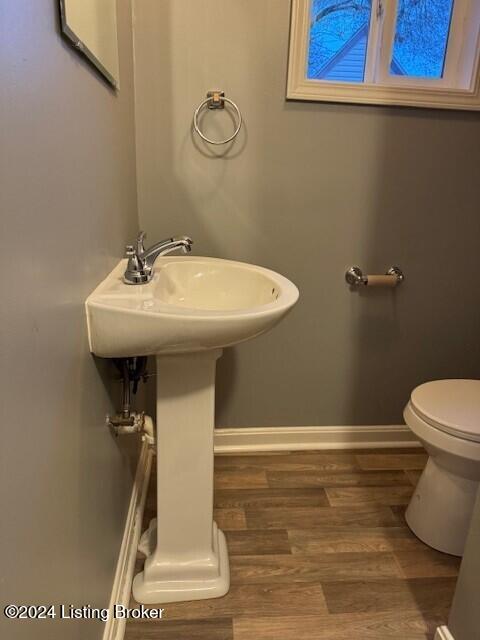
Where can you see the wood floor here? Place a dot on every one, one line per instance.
(319, 550)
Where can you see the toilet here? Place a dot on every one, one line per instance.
(445, 417)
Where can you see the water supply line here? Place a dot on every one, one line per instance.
(127, 421)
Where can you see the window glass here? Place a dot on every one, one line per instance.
(338, 40)
(421, 38)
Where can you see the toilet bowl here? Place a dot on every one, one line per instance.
(445, 417)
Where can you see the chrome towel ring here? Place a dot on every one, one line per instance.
(216, 100)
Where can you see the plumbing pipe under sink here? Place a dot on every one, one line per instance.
(141, 423)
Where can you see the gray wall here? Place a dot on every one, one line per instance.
(308, 190)
(464, 620)
(67, 207)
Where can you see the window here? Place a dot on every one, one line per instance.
(421, 53)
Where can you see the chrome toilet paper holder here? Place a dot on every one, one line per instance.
(392, 278)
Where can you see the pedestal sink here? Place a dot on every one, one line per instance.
(192, 308)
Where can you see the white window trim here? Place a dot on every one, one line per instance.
(393, 90)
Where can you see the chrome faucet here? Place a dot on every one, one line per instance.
(140, 260)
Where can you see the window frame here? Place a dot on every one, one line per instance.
(381, 87)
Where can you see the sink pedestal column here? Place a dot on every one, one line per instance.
(186, 553)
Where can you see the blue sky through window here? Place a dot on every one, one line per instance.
(421, 38)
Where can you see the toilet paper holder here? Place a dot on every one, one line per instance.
(393, 277)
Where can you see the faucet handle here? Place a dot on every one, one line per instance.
(140, 242)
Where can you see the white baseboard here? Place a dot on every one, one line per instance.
(303, 438)
(122, 584)
(443, 634)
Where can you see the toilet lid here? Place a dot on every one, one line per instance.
(452, 406)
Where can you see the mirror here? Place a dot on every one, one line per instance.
(91, 25)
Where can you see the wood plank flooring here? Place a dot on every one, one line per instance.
(319, 550)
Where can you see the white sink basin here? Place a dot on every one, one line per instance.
(190, 310)
(191, 304)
